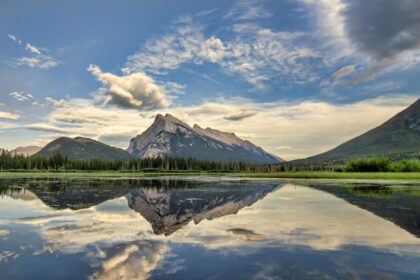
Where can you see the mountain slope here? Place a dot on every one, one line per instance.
(398, 136)
(26, 151)
(83, 148)
(169, 136)
(169, 210)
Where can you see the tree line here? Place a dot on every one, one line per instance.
(58, 161)
(61, 162)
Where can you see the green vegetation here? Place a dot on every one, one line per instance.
(365, 168)
(256, 175)
(60, 162)
(381, 164)
(83, 149)
(398, 139)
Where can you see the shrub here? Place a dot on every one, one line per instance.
(374, 164)
(339, 168)
(409, 165)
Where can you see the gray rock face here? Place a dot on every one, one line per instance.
(169, 210)
(169, 136)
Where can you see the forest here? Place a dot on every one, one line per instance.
(60, 162)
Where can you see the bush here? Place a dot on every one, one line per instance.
(374, 164)
(409, 165)
(339, 169)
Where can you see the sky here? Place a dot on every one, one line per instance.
(296, 77)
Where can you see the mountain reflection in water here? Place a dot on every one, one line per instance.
(184, 229)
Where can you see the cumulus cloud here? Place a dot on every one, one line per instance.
(135, 91)
(9, 116)
(213, 49)
(133, 261)
(240, 115)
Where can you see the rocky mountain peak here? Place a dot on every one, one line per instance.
(170, 136)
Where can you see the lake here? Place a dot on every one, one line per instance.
(208, 228)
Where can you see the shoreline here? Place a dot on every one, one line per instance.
(278, 175)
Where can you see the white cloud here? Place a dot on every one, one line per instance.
(136, 90)
(32, 49)
(37, 59)
(20, 96)
(258, 55)
(168, 52)
(175, 88)
(248, 10)
(9, 116)
(14, 38)
(44, 127)
(133, 261)
(310, 127)
(213, 49)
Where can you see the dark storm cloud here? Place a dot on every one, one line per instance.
(383, 29)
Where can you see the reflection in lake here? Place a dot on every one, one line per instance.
(207, 228)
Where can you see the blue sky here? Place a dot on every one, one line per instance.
(295, 76)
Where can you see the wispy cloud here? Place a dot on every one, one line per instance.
(258, 55)
(14, 38)
(9, 116)
(20, 96)
(174, 88)
(32, 49)
(38, 59)
(240, 115)
(248, 10)
(45, 128)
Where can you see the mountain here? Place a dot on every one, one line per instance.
(397, 138)
(401, 206)
(169, 136)
(26, 151)
(170, 210)
(83, 148)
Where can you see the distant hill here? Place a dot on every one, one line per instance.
(26, 151)
(169, 136)
(397, 138)
(83, 148)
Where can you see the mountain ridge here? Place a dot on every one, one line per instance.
(169, 136)
(83, 149)
(397, 136)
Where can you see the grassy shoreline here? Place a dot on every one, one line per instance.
(274, 175)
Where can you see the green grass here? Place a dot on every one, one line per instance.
(335, 175)
(275, 175)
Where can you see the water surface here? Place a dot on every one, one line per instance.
(205, 228)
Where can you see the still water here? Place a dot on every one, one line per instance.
(207, 228)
